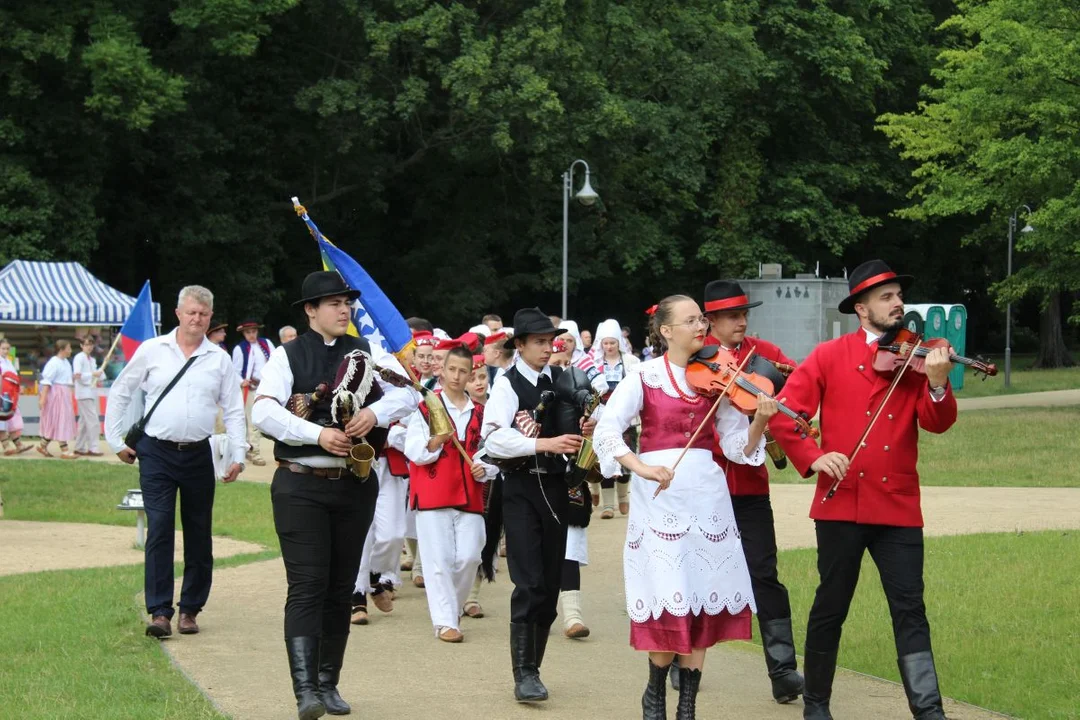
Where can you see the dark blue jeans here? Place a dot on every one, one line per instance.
(162, 471)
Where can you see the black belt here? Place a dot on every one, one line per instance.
(203, 444)
(334, 473)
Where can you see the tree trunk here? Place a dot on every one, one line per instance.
(1052, 350)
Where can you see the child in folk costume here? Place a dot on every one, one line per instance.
(249, 357)
(614, 365)
(86, 376)
(58, 402)
(448, 495)
(11, 428)
(687, 583)
(424, 361)
(478, 392)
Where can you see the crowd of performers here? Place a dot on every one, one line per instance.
(519, 433)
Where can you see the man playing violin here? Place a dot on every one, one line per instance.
(727, 307)
(876, 503)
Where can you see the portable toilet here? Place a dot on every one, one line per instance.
(956, 334)
(927, 319)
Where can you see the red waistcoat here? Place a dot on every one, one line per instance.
(447, 482)
(748, 479)
(882, 485)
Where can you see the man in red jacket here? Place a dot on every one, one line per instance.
(876, 505)
(727, 307)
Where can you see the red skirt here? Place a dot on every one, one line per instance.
(681, 635)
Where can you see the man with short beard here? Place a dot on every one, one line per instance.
(876, 505)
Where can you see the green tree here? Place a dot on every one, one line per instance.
(999, 128)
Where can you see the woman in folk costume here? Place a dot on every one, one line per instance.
(86, 376)
(687, 583)
(448, 494)
(614, 365)
(11, 426)
(249, 358)
(57, 396)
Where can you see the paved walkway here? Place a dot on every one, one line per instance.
(37, 546)
(1050, 398)
(395, 666)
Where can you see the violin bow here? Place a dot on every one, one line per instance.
(402, 381)
(708, 416)
(873, 420)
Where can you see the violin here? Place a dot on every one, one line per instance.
(714, 371)
(894, 348)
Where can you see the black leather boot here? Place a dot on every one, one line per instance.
(527, 685)
(689, 682)
(542, 634)
(673, 673)
(921, 685)
(304, 668)
(776, 638)
(331, 654)
(819, 668)
(654, 701)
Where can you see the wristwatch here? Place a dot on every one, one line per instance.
(938, 392)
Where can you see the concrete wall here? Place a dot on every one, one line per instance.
(797, 315)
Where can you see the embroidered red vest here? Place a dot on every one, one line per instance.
(447, 482)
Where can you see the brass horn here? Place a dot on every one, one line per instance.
(361, 455)
(586, 457)
(438, 419)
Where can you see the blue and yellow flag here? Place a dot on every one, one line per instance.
(374, 317)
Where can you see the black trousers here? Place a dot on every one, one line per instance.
(898, 554)
(571, 575)
(163, 471)
(321, 525)
(534, 515)
(754, 517)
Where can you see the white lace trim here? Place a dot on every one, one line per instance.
(654, 374)
(607, 447)
(658, 561)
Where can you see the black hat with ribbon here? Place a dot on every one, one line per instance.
(868, 276)
(723, 295)
(324, 283)
(530, 321)
(250, 323)
(217, 326)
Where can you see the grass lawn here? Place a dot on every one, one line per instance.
(1016, 447)
(72, 640)
(1003, 614)
(1023, 379)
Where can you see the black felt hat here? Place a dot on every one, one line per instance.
(868, 276)
(530, 321)
(324, 283)
(217, 326)
(723, 295)
(249, 323)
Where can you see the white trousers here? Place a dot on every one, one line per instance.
(382, 549)
(451, 541)
(88, 433)
(254, 434)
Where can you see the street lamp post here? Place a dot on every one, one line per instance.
(587, 196)
(1008, 307)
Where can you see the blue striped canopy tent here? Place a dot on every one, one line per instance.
(60, 293)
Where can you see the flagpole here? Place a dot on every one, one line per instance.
(108, 355)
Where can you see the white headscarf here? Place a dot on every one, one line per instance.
(569, 326)
(481, 330)
(609, 328)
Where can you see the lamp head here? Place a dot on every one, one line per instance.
(1027, 229)
(586, 195)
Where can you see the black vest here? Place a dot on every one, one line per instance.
(528, 399)
(313, 363)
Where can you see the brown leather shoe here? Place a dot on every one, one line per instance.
(451, 635)
(159, 627)
(187, 624)
(384, 601)
(359, 615)
(577, 631)
(473, 610)
(418, 581)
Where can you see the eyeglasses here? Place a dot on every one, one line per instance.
(699, 321)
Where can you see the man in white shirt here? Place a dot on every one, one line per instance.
(174, 453)
(535, 496)
(249, 358)
(86, 397)
(322, 510)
